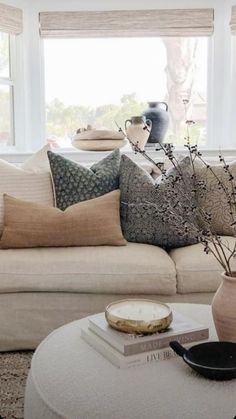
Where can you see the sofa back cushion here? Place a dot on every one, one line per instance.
(25, 185)
(89, 223)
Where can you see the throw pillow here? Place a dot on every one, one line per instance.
(213, 199)
(151, 169)
(91, 223)
(75, 183)
(25, 185)
(38, 162)
(157, 212)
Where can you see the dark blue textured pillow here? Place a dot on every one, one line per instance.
(160, 212)
(75, 183)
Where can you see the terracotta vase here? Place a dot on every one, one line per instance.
(224, 309)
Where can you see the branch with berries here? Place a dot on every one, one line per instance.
(203, 230)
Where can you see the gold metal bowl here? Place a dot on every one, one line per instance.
(138, 316)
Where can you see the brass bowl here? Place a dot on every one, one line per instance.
(138, 316)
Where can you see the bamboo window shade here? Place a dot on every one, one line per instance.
(127, 23)
(233, 20)
(11, 19)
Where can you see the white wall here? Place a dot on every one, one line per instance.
(221, 80)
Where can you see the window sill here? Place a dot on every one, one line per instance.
(15, 156)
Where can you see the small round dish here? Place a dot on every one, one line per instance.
(139, 316)
(213, 360)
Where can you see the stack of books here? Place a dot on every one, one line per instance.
(127, 350)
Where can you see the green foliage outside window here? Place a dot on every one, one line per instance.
(64, 120)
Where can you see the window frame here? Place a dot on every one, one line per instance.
(29, 83)
(233, 89)
(20, 89)
(9, 81)
(17, 97)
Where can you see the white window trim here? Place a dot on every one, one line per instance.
(90, 157)
(10, 82)
(219, 128)
(16, 80)
(233, 89)
(14, 50)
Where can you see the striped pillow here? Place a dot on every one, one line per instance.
(29, 186)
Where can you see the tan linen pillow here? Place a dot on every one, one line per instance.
(213, 200)
(88, 223)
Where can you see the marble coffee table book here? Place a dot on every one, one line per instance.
(126, 350)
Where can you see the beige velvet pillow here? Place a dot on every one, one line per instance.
(88, 223)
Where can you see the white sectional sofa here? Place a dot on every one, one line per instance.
(43, 288)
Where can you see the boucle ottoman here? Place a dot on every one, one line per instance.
(69, 379)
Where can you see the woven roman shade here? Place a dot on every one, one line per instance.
(233, 20)
(126, 23)
(11, 20)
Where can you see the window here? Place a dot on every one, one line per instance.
(101, 81)
(6, 92)
(11, 25)
(106, 66)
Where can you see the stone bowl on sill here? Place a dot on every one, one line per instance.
(98, 140)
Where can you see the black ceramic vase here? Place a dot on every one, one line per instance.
(158, 114)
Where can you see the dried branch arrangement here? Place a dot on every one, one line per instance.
(202, 228)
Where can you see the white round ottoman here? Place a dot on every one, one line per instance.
(69, 379)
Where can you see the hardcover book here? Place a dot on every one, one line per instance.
(119, 360)
(183, 329)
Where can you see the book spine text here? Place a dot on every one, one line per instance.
(152, 345)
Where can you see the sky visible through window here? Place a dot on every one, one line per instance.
(96, 80)
(96, 72)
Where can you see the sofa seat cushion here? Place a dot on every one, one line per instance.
(135, 268)
(197, 271)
